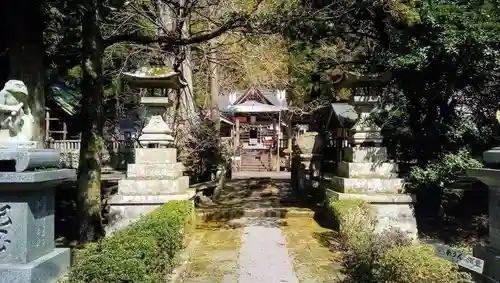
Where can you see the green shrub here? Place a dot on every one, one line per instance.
(371, 257)
(356, 224)
(363, 247)
(445, 171)
(144, 252)
(411, 264)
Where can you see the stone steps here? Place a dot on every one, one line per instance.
(225, 214)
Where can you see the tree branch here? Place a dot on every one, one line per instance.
(176, 40)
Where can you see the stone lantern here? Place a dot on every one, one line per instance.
(156, 177)
(365, 171)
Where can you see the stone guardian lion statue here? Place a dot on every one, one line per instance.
(16, 120)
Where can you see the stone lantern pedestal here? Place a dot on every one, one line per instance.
(27, 251)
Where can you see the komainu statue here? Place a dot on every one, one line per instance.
(16, 120)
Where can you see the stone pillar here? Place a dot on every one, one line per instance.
(156, 132)
(490, 253)
(306, 167)
(366, 173)
(27, 252)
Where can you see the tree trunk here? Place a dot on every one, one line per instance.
(214, 87)
(89, 171)
(179, 57)
(26, 57)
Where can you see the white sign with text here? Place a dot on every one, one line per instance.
(464, 260)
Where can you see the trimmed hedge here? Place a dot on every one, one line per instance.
(371, 257)
(144, 252)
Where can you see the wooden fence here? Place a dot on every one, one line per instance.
(74, 145)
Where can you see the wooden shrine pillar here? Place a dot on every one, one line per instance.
(289, 133)
(237, 133)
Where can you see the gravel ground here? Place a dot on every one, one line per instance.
(263, 254)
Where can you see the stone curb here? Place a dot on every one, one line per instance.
(179, 272)
(378, 198)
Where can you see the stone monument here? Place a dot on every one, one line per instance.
(156, 177)
(27, 179)
(366, 173)
(490, 253)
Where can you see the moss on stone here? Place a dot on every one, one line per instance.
(342, 207)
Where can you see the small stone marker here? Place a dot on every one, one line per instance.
(464, 260)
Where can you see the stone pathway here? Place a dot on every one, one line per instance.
(248, 244)
(263, 254)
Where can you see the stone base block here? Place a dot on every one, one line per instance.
(155, 171)
(390, 210)
(365, 154)
(366, 186)
(125, 210)
(25, 159)
(153, 187)
(43, 270)
(491, 259)
(34, 180)
(383, 170)
(398, 215)
(366, 137)
(155, 155)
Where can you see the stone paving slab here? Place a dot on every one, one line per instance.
(264, 255)
(266, 174)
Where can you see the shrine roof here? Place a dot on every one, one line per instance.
(67, 98)
(269, 95)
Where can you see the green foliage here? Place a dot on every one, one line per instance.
(345, 209)
(408, 264)
(155, 70)
(445, 171)
(144, 252)
(371, 257)
(443, 57)
(204, 151)
(444, 69)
